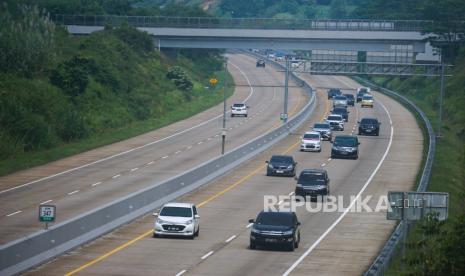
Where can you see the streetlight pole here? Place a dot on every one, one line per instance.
(441, 96)
(286, 91)
(223, 131)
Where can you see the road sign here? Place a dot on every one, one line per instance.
(213, 82)
(417, 205)
(47, 213)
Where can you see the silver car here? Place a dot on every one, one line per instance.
(324, 129)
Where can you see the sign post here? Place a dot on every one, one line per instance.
(47, 214)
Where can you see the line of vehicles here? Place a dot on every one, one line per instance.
(282, 229)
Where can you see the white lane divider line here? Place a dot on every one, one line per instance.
(73, 192)
(189, 147)
(200, 143)
(181, 272)
(116, 176)
(209, 138)
(217, 135)
(134, 169)
(249, 225)
(150, 163)
(324, 164)
(230, 239)
(15, 213)
(178, 152)
(346, 211)
(207, 255)
(96, 184)
(45, 202)
(164, 157)
(329, 159)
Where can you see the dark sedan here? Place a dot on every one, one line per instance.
(333, 92)
(350, 99)
(369, 126)
(260, 63)
(281, 165)
(312, 183)
(281, 229)
(345, 146)
(341, 111)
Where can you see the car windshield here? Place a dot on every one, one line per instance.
(274, 218)
(176, 212)
(339, 110)
(238, 105)
(311, 178)
(321, 126)
(363, 90)
(345, 142)
(368, 122)
(281, 159)
(312, 136)
(334, 118)
(367, 97)
(340, 98)
(349, 96)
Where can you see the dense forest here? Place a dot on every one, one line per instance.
(61, 94)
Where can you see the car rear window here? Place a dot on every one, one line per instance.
(275, 218)
(349, 96)
(176, 212)
(367, 97)
(238, 105)
(368, 121)
(312, 178)
(334, 118)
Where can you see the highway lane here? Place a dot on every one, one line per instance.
(227, 204)
(82, 190)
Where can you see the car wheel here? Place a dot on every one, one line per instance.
(192, 236)
(377, 133)
(296, 244)
(197, 232)
(155, 236)
(356, 157)
(319, 150)
(245, 115)
(252, 246)
(232, 115)
(291, 245)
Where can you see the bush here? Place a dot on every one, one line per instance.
(180, 78)
(72, 76)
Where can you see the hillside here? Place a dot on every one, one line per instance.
(62, 94)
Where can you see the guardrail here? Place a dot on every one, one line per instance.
(382, 261)
(244, 23)
(22, 254)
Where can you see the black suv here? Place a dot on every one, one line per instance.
(275, 228)
(260, 63)
(312, 183)
(333, 92)
(369, 126)
(360, 94)
(281, 165)
(341, 111)
(345, 146)
(350, 99)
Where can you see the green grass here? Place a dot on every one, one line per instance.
(26, 160)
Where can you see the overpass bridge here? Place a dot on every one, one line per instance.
(206, 32)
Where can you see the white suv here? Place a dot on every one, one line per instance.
(239, 109)
(177, 219)
(311, 141)
(335, 121)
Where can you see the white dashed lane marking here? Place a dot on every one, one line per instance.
(207, 255)
(181, 272)
(164, 157)
(73, 192)
(116, 176)
(134, 169)
(96, 184)
(45, 202)
(12, 214)
(230, 239)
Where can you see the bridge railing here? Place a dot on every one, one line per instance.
(243, 23)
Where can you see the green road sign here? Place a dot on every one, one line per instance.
(47, 213)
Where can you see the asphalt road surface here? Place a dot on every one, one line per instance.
(226, 204)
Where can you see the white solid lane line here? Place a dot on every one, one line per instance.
(45, 202)
(150, 163)
(73, 192)
(134, 169)
(136, 148)
(12, 214)
(207, 255)
(164, 157)
(315, 244)
(116, 176)
(324, 164)
(181, 272)
(230, 239)
(96, 184)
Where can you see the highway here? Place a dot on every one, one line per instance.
(81, 183)
(332, 243)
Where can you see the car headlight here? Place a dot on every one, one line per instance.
(189, 221)
(160, 221)
(289, 167)
(298, 185)
(270, 166)
(255, 231)
(290, 232)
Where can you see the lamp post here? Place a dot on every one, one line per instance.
(286, 91)
(223, 131)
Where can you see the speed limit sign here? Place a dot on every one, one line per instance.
(47, 213)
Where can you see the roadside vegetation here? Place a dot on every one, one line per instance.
(61, 95)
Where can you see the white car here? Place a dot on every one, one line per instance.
(367, 100)
(177, 219)
(335, 121)
(239, 109)
(311, 141)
